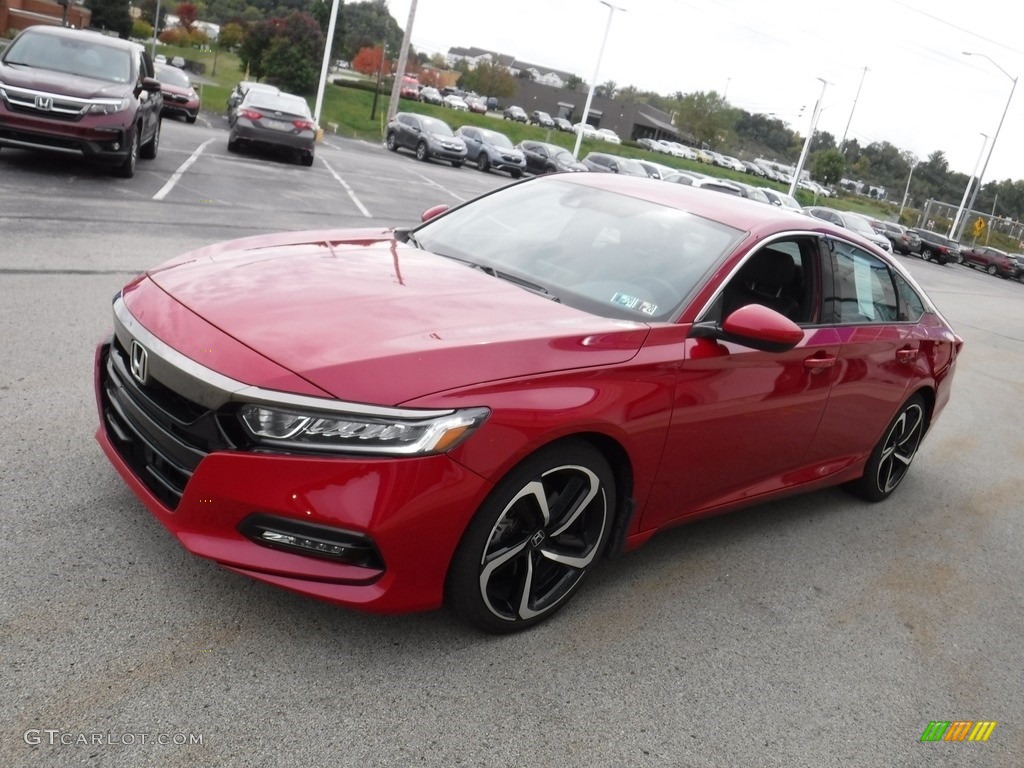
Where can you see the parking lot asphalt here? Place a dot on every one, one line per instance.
(816, 631)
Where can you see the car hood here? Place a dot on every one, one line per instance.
(373, 320)
(61, 82)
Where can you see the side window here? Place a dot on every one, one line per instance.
(863, 288)
(782, 275)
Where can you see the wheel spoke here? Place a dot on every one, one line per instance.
(574, 499)
(527, 590)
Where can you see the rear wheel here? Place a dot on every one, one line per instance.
(891, 458)
(392, 142)
(306, 159)
(534, 539)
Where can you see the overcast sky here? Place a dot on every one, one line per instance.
(919, 93)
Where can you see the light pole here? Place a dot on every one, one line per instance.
(967, 191)
(593, 83)
(995, 138)
(807, 142)
(842, 144)
(156, 28)
(906, 192)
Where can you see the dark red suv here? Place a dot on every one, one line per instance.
(80, 93)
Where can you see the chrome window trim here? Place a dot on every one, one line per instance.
(205, 386)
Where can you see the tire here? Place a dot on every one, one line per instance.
(457, 163)
(991, 269)
(421, 151)
(392, 142)
(232, 144)
(550, 169)
(149, 149)
(306, 159)
(890, 460)
(533, 540)
(127, 168)
(483, 163)
(516, 174)
(191, 119)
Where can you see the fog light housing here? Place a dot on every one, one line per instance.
(311, 540)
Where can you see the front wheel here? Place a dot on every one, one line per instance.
(148, 150)
(534, 539)
(483, 163)
(891, 459)
(127, 168)
(421, 151)
(991, 269)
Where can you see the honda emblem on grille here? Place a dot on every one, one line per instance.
(140, 362)
(44, 103)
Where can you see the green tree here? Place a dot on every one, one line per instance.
(231, 35)
(112, 15)
(607, 89)
(706, 116)
(491, 79)
(573, 82)
(828, 166)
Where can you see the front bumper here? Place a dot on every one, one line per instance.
(410, 511)
(103, 139)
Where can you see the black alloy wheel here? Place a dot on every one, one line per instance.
(890, 460)
(534, 540)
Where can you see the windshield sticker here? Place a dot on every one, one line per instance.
(632, 302)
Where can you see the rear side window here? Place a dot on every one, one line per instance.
(911, 305)
(863, 288)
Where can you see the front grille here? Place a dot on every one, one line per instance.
(50, 106)
(160, 435)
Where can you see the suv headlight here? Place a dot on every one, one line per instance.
(108, 106)
(387, 432)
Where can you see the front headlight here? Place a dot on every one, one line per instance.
(108, 106)
(400, 433)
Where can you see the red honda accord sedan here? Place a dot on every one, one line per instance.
(477, 410)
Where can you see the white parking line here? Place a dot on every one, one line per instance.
(176, 177)
(348, 189)
(443, 188)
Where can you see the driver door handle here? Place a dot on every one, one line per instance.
(819, 362)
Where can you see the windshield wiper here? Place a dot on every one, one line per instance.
(540, 290)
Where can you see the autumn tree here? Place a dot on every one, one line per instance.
(187, 14)
(368, 61)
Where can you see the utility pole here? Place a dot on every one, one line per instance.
(403, 59)
(842, 144)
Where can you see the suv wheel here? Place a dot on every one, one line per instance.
(148, 151)
(421, 151)
(127, 169)
(392, 142)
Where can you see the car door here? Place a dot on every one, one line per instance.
(150, 102)
(471, 136)
(408, 131)
(879, 354)
(743, 419)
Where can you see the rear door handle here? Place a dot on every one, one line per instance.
(906, 355)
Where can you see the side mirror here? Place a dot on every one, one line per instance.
(430, 213)
(754, 326)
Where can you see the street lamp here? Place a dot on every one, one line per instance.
(995, 138)
(906, 192)
(593, 83)
(807, 142)
(842, 144)
(967, 191)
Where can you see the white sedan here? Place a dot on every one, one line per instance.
(607, 134)
(589, 131)
(455, 102)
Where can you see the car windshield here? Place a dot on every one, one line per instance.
(278, 102)
(172, 76)
(563, 156)
(599, 251)
(71, 56)
(433, 125)
(497, 139)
